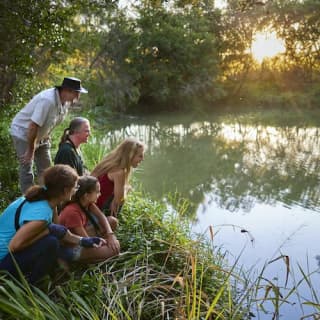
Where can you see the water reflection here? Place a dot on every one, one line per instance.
(235, 165)
(260, 179)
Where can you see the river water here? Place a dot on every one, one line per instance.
(253, 181)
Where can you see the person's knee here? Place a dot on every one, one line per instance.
(113, 221)
(26, 177)
(109, 253)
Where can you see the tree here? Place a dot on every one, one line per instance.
(30, 30)
(298, 23)
(37, 33)
(160, 57)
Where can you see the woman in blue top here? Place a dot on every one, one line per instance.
(31, 239)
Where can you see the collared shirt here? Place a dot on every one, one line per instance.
(68, 154)
(44, 109)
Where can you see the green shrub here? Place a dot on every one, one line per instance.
(161, 274)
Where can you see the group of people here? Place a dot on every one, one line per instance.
(71, 213)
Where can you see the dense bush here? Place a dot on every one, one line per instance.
(161, 273)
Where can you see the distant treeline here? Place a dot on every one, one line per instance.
(161, 55)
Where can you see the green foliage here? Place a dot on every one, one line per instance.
(160, 56)
(8, 162)
(148, 230)
(154, 59)
(298, 23)
(114, 76)
(161, 273)
(30, 30)
(173, 71)
(19, 301)
(295, 71)
(39, 33)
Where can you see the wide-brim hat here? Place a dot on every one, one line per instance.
(72, 84)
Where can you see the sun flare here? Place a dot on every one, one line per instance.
(266, 45)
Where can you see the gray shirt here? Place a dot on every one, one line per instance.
(44, 109)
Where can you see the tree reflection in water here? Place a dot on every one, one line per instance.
(234, 164)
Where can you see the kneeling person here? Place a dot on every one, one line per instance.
(76, 216)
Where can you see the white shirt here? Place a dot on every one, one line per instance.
(44, 109)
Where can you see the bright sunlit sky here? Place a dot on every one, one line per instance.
(220, 3)
(266, 45)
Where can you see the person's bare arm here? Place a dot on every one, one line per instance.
(102, 220)
(32, 135)
(29, 233)
(106, 230)
(77, 232)
(80, 231)
(118, 178)
(55, 217)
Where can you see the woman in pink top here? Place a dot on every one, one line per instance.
(113, 173)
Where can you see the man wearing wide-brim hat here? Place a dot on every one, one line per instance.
(32, 126)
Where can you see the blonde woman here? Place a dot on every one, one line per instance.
(113, 173)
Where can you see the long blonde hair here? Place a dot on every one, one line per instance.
(119, 158)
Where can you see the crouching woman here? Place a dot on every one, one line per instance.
(29, 240)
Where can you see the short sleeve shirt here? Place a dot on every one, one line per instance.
(73, 217)
(68, 155)
(30, 211)
(44, 109)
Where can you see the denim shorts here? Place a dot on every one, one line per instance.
(70, 254)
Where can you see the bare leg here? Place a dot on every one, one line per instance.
(113, 222)
(92, 255)
(92, 232)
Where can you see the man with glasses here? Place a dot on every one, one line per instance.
(69, 151)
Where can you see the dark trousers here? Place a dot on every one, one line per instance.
(35, 261)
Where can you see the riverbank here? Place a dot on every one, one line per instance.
(161, 274)
(164, 270)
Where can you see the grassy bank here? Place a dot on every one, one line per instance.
(161, 274)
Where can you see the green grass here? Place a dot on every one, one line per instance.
(161, 274)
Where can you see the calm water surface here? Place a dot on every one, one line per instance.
(256, 182)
